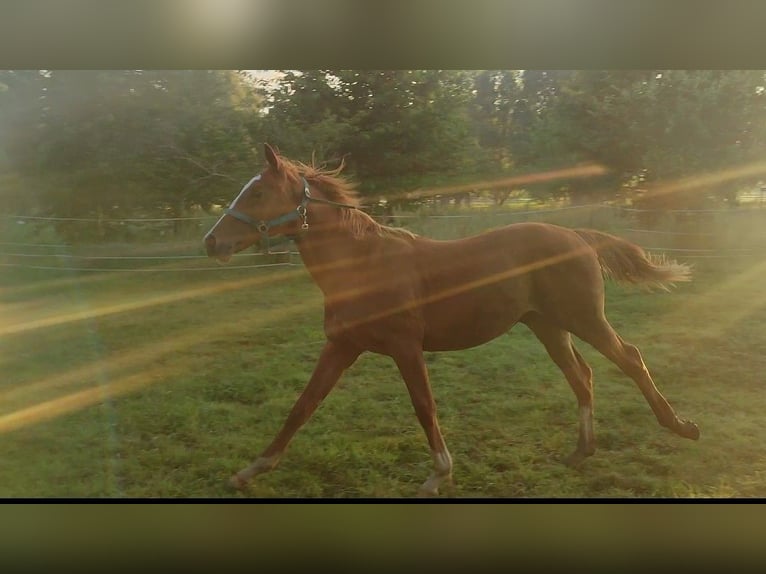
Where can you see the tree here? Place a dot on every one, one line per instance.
(394, 127)
(656, 126)
(115, 144)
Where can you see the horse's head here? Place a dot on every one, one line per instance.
(271, 203)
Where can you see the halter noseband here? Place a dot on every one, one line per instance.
(300, 212)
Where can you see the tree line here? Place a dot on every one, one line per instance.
(133, 143)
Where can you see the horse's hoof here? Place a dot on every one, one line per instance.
(688, 429)
(424, 492)
(430, 487)
(237, 482)
(576, 458)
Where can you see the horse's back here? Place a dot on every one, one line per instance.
(477, 288)
(529, 246)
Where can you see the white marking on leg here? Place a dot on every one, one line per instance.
(260, 465)
(442, 462)
(265, 463)
(586, 424)
(442, 471)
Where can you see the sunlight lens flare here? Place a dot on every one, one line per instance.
(149, 354)
(582, 171)
(752, 170)
(724, 305)
(111, 309)
(76, 401)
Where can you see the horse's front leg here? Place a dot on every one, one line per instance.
(334, 359)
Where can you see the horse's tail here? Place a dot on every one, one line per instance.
(624, 261)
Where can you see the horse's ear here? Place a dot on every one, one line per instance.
(271, 157)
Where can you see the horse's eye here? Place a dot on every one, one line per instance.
(257, 193)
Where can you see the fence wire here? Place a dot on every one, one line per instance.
(626, 209)
(291, 254)
(149, 269)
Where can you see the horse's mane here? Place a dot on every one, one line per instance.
(340, 189)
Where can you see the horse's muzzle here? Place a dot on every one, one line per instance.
(220, 251)
(210, 245)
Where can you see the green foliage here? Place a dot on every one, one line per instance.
(138, 143)
(658, 126)
(388, 125)
(126, 143)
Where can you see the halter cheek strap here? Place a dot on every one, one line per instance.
(299, 212)
(263, 227)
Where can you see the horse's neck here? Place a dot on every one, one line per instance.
(329, 251)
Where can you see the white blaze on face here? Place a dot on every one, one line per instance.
(236, 199)
(247, 185)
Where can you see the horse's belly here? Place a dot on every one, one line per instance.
(465, 324)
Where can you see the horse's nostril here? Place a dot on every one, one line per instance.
(210, 243)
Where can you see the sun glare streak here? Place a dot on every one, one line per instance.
(755, 169)
(156, 351)
(706, 179)
(63, 405)
(92, 277)
(56, 282)
(148, 354)
(219, 20)
(357, 291)
(152, 352)
(111, 365)
(589, 170)
(740, 292)
(723, 306)
(104, 310)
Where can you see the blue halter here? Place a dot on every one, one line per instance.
(299, 212)
(264, 226)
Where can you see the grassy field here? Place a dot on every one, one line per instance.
(162, 384)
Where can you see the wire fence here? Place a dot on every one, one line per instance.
(64, 257)
(290, 258)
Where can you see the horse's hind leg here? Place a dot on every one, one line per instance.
(627, 357)
(579, 375)
(413, 369)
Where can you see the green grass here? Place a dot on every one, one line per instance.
(208, 378)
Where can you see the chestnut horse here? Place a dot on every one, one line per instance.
(389, 291)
